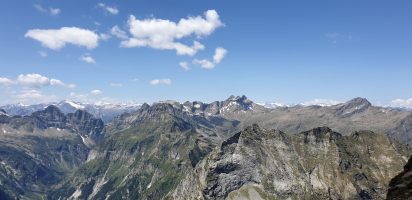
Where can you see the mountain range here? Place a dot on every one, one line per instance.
(231, 149)
(105, 111)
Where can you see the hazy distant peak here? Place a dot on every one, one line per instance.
(359, 101)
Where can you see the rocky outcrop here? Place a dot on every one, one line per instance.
(400, 187)
(86, 124)
(316, 164)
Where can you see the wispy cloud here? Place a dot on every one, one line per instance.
(50, 11)
(165, 34)
(166, 81)
(108, 9)
(116, 84)
(88, 59)
(336, 37)
(184, 65)
(119, 33)
(321, 102)
(403, 103)
(43, 54)
(96, 92)
(34, 96)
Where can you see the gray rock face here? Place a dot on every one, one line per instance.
(86, 124)
(356, 105)
(400, 187)
(80, 122)
(316, 164)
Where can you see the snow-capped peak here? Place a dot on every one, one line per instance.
(75, 105)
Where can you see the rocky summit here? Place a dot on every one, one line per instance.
(400, 187)
(231, 149)
(317, 164)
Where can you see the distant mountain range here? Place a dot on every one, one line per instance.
(230, 149)
(105, 111)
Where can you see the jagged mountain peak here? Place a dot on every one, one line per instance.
(242, 98)
(50, 113)
(358, 101)
(354, 106)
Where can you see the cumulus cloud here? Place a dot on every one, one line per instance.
(88, 59)
(96, 92)
(166, 81)
(164, 34)
(58, 38)
(5, 81)
(108, 9)
(34, 81)
(184, 65)
(50, 11)
(55, 82)
(403, 103)
(220, 53)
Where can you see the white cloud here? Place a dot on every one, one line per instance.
(70, 86)
(57, 38)
(321, 102)
(55, 82)
(50, 11)
(43, 54)
(104, 36)
(109, 9)
(34, 81)
(204, 63)
(119, 33)
(34, 96)
(163, 33)
(96, 92)
(88, 59)
(5, 81)
(404, 103)
(116, 84)
(184, 65)
(166, 81)
(220, 53)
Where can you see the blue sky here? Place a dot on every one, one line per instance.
(272, 51)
